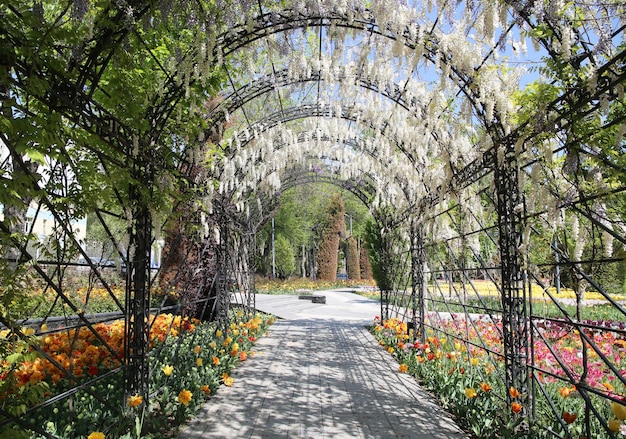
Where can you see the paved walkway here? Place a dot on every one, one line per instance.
(320, 374)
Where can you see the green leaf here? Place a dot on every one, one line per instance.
(36, 156)
(14, 358)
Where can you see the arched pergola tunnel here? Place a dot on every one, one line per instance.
(416, 109)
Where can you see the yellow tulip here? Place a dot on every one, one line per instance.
(470, 392)
(618, 410)
(615, 425)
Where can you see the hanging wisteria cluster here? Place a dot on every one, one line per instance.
(371, 75)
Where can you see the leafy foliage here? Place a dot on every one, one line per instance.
(285, 261)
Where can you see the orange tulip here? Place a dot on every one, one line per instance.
(516, 407)
(184, 397)
(565, 391)
(135, 400)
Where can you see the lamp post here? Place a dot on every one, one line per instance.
(273, 253)
(348, 243)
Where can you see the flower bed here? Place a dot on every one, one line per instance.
(188, 362)
(468, 380)
(484, 288)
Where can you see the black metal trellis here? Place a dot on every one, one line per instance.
(512, 281)
(395, 267)
(511, 211)
(250, 91)
(418, 284)
(138, 285)
(242, 248)
(364, 187)
(223, 278)
(312, 111)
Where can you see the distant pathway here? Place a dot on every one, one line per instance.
(321, 374)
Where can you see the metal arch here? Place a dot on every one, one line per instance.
(298, 175)
(309, 111)
(401, 183)
(302, 176)
(241, 96)
(478, 166)
(288, 171)
(363, 190)
(311, 177)
(274, 22)
(303, 138)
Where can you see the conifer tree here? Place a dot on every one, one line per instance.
(353, 268)
(331, 234)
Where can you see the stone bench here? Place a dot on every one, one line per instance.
(313, 298)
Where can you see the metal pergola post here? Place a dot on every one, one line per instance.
(138, 292)
(515, 326)
(384, 273)
(418, 283)
(223, 278)
(250, 240)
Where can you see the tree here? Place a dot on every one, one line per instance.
(331, 233)
(353, 259)
(364, 263)
(285, 260)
